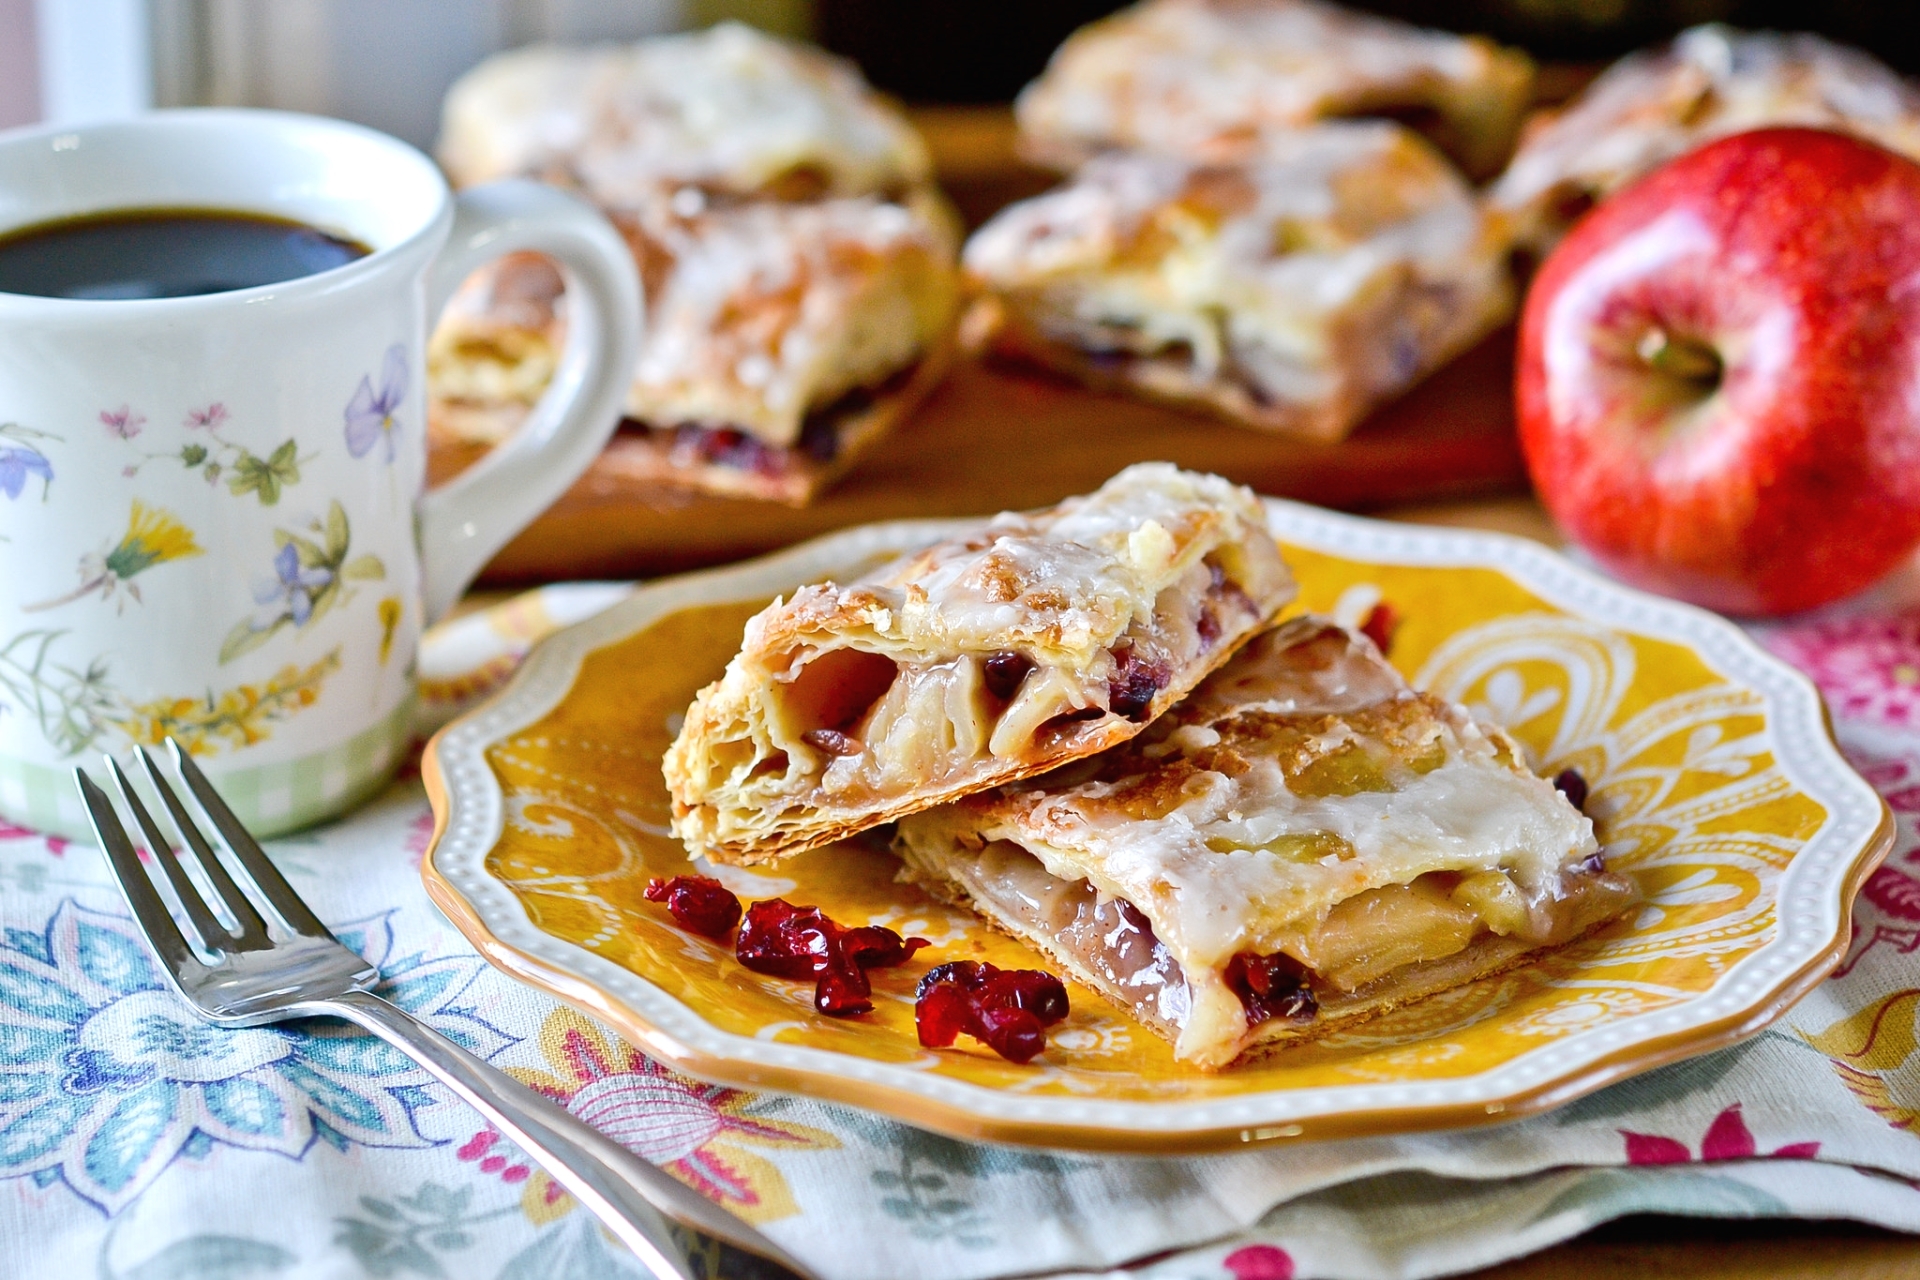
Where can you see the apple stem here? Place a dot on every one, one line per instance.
(1680, 357)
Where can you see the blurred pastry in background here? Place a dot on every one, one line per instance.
(1207, 79)
(798, 265)
(728, 110)
(1711, 81)
(1291, 293)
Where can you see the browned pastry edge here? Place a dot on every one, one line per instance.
(645, 459)
(632, 458)
(1487, 956)
(1002, 335)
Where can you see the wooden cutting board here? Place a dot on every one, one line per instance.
(992, 439)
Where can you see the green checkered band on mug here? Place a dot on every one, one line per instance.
(270, 799)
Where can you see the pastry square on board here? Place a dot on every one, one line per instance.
(797, 265)
(780, 342)
(1207, 79)
(1291, 293)
(1041, 638)
(1711, 81)
(1304, 841)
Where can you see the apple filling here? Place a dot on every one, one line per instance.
(854, 724)
(1368, 950)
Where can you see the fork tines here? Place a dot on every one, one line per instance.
(248, 932)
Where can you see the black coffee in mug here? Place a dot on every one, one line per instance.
(164, 253)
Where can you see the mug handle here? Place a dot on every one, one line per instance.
(464, 521)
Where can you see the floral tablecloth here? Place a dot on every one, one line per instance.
(139, 1144)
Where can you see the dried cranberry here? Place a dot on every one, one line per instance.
(784, 940)
(1132, 694)
(1593, 864)
(833, 742)
(698, 904)
(1570, 784)
(801, 942)
(1009, 1009)
(941, 1013)
(873, 946)
(1381, 622)
(842, 991)
(1272, 986)
(1041, 994)
(1207, 627)
(1003, 672)
(1014, 1034)
(960, 973)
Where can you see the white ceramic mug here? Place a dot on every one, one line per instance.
(213, 514)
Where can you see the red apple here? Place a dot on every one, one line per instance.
(1719, 373)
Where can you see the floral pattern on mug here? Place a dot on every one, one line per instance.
(309, 578)
(76, 708)
(20, 459)
(370, 418)
(154, 536)
(245, 471)
(240, 717)
(390, 609)
(123, 422)
(72, 705)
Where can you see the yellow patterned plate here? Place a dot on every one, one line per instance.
(1715, 784)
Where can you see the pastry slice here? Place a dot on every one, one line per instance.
(1711, 81)
(1208, 79)
(1292, 293)
(781, 341)
(1039, 639)
(728, 111)
(1303, 842)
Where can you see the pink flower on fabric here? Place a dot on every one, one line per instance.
(123, 422)
(1727, 1138)
(56, 845)
(1868, 667)
(480, 1147)
(1259, 1262)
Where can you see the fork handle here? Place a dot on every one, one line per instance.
(634, 1199)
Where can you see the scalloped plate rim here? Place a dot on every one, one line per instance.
(467, 807)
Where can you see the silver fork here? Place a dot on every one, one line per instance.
(243, 975)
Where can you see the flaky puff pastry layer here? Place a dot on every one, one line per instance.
(1043, 638)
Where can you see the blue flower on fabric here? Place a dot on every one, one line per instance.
(106, 1078)
(293, 586)
(370, 417)
(17, 462)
